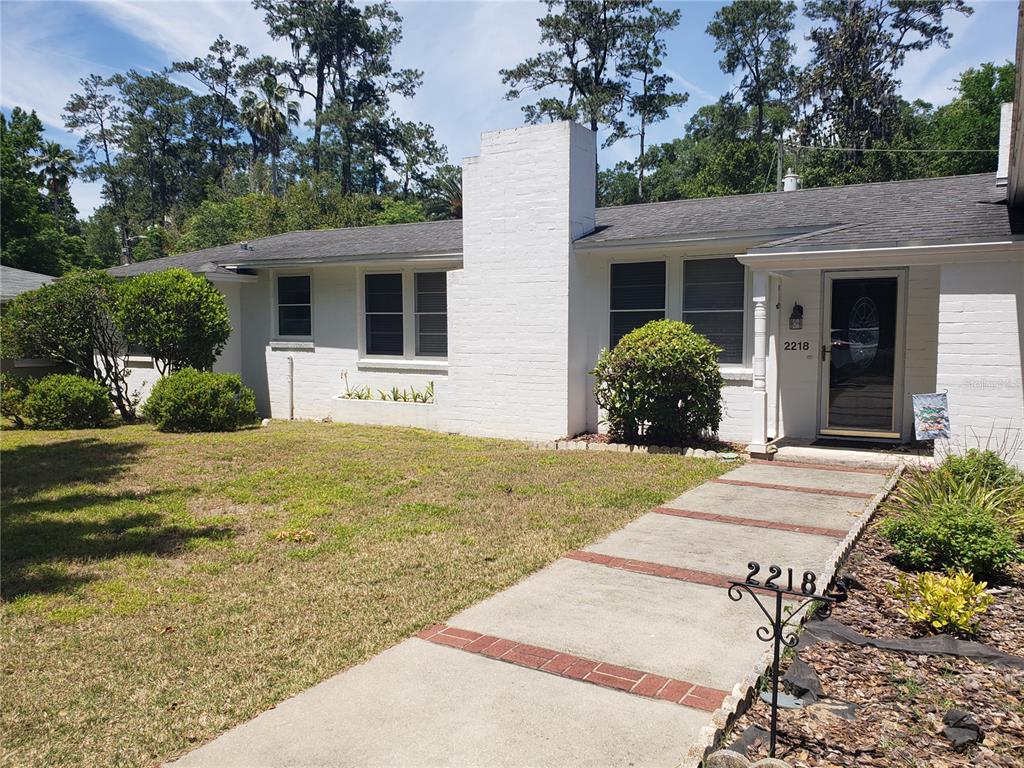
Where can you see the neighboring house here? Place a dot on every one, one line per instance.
(899, 288)
(14, 282)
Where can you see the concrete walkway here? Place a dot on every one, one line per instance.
(614, 655)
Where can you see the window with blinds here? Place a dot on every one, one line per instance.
(637, 296)
(713, 292)
(294, 306)
(431, 314)
(384, 329)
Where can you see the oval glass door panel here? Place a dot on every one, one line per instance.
(862, 359)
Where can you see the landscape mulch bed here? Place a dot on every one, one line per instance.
(899, 698)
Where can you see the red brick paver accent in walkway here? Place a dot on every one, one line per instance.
(650, 569)
(798, 488)
(577, 668)
(825, 467)
(753, 522)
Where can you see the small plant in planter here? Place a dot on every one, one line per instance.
(943, 603)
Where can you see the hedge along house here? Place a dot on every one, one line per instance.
(832, 306)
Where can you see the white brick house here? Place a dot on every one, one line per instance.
(905, 287)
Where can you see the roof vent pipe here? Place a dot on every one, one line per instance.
(244, 245)
(790, 182)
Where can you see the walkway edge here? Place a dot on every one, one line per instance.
(739, 700)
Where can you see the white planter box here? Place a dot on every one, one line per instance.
(385, 412)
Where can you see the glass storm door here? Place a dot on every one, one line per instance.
(862, 354)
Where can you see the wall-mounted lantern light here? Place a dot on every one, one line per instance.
(796, 318)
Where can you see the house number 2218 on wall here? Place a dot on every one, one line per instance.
(796, 346)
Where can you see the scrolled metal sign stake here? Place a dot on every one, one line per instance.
(781, 630)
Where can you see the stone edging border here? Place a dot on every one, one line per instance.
(739, 700)
(583, 445)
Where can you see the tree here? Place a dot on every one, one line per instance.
(179, 318)
(650, 100)
(70, 321)
(30, 236)
(753, 37)
(849, 88)
(971, 120)
(96, 116)
(417, 154)
(444, 193)
(57, 166)
(267, 114)
(584, 38)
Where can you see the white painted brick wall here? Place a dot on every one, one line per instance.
(512, 372)
(979, 353)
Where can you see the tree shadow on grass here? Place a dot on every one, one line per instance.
(39, 535)
(31, 469)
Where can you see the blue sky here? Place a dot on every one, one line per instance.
(47, 45)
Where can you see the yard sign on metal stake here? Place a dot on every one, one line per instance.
(777, 633)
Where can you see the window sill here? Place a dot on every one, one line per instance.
(401, 364)
(736, 373)
(293, 346)
(140, 361)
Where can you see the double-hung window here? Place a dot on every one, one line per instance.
(384, 320)
(431, 314)
(637, 296)
(294, 306)
(713, 291)
(406, 311)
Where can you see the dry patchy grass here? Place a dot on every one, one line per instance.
(158, 589)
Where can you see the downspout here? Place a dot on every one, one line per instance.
(291, 388)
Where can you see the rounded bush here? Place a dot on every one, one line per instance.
(66, 401)
(200, 401)
(660, 384)
(13, 390)
(952, 534)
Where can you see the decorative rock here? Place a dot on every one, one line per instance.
(265, 423)
(711, 454)
(726, 758)
(700, 453)
(688, 452)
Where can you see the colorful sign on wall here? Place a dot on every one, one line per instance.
(931, 416)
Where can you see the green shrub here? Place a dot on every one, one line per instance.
(660, 384)
(951, 534)
(986, 468)
(67, 401)
(13, 390)
(200, 401)
(940, 602)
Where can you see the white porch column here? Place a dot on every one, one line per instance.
(759, 409)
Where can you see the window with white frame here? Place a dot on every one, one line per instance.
(384, 318)
(637, 296)
(294, 306)
(431, 314)
(713, 296)
(406, 314)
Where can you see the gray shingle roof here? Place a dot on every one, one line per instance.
(392, 240)
(16, 281)
(921, 211)
(950, 209)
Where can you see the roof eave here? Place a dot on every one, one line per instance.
(887, 256)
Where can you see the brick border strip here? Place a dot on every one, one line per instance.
(824, 467)
(797, 488)
(752, 522)
(567, 665)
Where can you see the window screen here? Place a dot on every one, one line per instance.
(384, 315)
(431, 314)
(637, 296)
(713, 303)
(294, 306)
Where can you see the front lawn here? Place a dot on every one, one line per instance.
(158, 589)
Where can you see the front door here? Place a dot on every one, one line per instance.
(862, 354)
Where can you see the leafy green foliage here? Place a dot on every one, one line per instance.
(13, 390)
(67, 401)
(953, 602)
(32, 237)
(179, 318)
(660, 384)
(951, 534)
(985, 467)
(200, 401)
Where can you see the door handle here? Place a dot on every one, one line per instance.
(825, 350)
